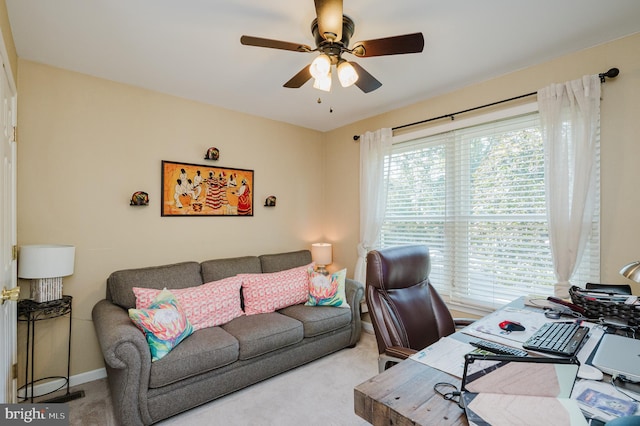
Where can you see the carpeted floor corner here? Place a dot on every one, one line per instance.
(318, 393)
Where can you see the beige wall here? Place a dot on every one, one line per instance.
(620, 147)
(86, 144)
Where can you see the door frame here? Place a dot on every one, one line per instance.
(8, 316)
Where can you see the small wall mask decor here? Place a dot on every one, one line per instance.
(139, 198)
(213, 153)
(270, 201)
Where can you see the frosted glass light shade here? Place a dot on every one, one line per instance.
(323, 83)
(46, 261)
(321, 253)
(346, 74)
(320, 66)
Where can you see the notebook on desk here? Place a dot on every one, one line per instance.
(618, 355)
(503, 390)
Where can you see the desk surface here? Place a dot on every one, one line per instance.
(404, 395)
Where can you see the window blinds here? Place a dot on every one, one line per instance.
(475, 196)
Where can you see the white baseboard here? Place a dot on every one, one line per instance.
(88, 376)
(367, 327)
(51, 386)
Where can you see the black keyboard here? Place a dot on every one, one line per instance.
(497, 348)
(558, 338)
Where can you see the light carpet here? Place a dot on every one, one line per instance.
(318, 393)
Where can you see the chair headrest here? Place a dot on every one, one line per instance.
(398, 267)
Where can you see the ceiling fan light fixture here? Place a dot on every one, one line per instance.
(321, 66)
(346, 73)
(332, 31)
(323, 83)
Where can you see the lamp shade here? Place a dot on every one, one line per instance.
(631, 271)
(321, 253)
(46, 261)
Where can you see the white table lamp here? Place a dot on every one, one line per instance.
(46, 265)
(321, 255)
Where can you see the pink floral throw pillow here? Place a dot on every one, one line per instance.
(164, 324)
(272, 291)
(327, 290)
(206, 305)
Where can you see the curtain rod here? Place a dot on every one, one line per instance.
(612, 73)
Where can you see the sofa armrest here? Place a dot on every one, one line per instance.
(127, 358)
(121, 341)
(354, 292)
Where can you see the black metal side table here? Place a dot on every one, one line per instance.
(31, 312)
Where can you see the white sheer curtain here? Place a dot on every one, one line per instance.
(374, 146)
(570, 119)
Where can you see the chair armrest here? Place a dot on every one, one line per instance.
(463, 322)
(400, 352)
(392, 356)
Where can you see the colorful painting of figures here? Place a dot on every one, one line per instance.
(196, 190)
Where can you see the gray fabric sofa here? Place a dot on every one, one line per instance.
(214, 361)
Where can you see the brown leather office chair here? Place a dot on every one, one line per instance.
(406, 312)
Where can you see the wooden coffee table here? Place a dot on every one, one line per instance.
(404, 395)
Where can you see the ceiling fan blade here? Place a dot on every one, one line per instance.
(366, 82)
(273, 44)
(397, 45)
(299, 79)
(329, 13)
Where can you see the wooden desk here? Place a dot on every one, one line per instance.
(404, 395)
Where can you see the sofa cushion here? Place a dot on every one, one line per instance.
(206, 305)
(327, 290)
(179, 275)
(217, 269)
(164, 324)
(203, 351)
(281, 261)
(263, 333)
(318, 320)
(268, 292)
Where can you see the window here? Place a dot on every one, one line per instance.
(475, 196)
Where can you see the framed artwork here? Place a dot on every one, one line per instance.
(197, 190)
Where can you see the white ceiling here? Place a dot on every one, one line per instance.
(191, 48)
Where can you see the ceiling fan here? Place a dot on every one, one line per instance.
(332, 32)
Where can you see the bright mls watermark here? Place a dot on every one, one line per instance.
(34, 414)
